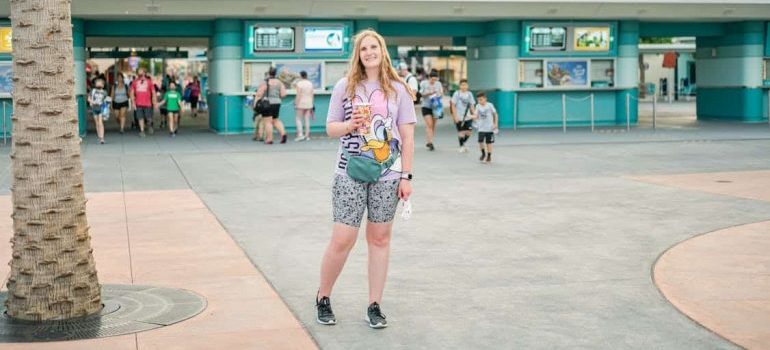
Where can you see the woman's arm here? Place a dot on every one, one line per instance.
(407, 155)
(259, 93)
(283, 90)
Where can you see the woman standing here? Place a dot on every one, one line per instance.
(120, 100)
(388, 139)
(303, 105)
(275, 91)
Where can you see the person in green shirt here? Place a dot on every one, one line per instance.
(173, 101)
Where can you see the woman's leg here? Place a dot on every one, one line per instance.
(99, 123)
(433, 123)
(171, 122)
(122, 118)
(343, 240)
(258, 126)
(428, 128)
(279, 125)
(307, 123)
(177, 117)
(298, 113)
(378, 241)
(268, 120)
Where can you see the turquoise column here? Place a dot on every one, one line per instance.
(79, 53)
(627, 73)
(729, 72)
(225, 80)
(493, 61)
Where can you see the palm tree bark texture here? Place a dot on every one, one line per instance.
(53, 275)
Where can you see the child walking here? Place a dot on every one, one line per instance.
(97, 99)
(172, 100)
(486, 119)
(462, 111)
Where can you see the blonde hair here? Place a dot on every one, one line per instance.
(357, 73)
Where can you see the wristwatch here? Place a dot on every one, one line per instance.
(406, 176)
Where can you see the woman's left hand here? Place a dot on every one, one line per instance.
(404, 189)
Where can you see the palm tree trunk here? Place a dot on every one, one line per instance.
(53, 275)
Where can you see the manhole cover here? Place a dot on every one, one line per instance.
(127, 309)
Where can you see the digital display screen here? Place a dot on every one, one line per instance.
(273, 39)
(548, 38)
(323, 38)
(592, 38)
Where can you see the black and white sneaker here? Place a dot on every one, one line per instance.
(325, 313)
(375, 317)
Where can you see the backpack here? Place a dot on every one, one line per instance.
(187, 93)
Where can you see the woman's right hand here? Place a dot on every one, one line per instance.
(356, 121)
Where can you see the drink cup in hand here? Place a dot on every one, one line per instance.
(364, 110)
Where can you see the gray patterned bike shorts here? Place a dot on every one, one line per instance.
(350, 198)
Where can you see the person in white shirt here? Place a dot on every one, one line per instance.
(411, 81)
(303, 105)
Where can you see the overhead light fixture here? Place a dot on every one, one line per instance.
(360, 9)
(260, 8)
(728, 12)
(458, 9)
(552, 11)
(641, 11)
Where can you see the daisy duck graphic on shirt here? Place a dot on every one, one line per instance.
(378, 142)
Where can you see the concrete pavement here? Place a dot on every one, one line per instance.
(551, 246)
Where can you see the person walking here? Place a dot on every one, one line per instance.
(101, 112)
(275, 92)
(172, 99)
(486, 116)
(195, 94)
(120, 101)
(462, 113)
(431, 91)
(411, 80)
(303, 105)
(386, 140)
(143, 99)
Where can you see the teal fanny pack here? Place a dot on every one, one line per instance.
(365, 169)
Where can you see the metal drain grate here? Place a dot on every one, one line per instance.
(127, 309)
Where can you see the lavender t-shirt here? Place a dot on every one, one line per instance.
(382, 138)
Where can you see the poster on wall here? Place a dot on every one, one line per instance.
(567, 73)
(6, 81)
(323, 38)
(6, 44)
(592, 39)
(254, 74)
(547, 38)
(273, 39)
(288, 72)
(334, 72)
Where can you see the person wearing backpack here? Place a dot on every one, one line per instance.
(432, 91)
(411, 81)
(96, 99)
(462, 113)
(273, 90)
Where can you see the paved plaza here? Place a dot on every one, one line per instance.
(552, 246)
